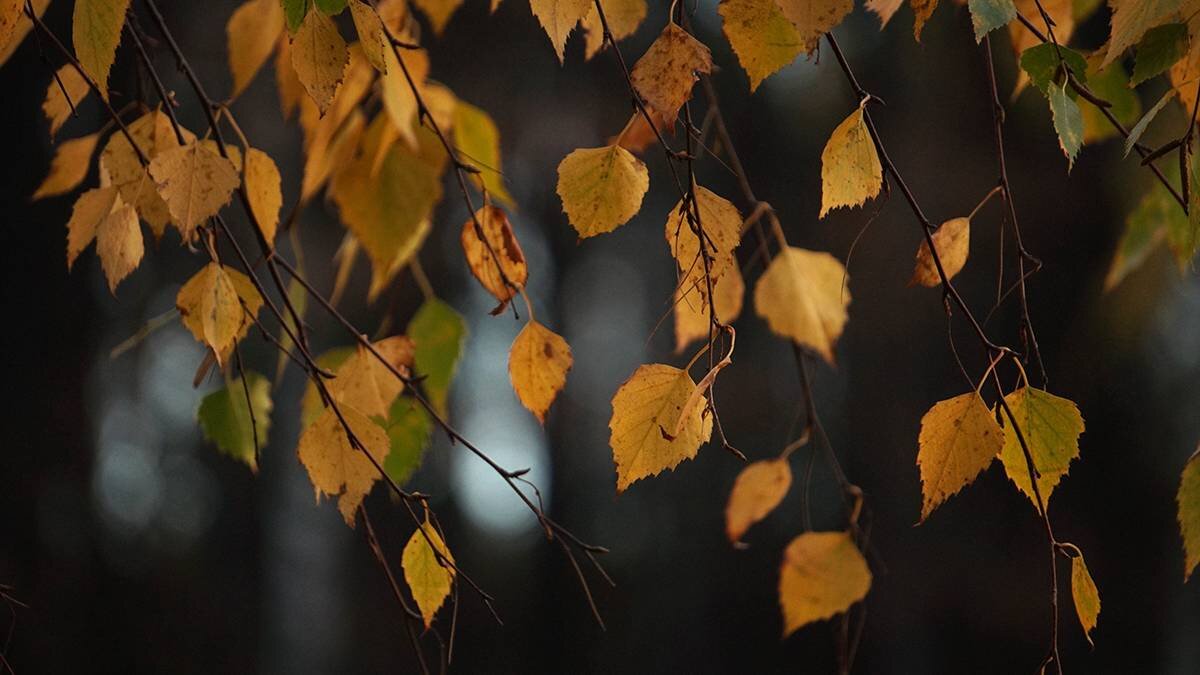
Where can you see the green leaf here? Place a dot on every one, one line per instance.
(225, 418)
(988, 15)
(1068, 122)
(1189, 513)
(1159, 49)
(1042, 62)
(408, 429)
(439, 333)
(1051, 426)
(478, 142)
(1085, 595)
(1145, 229)
(295, 11)
(95, 33)
(1140, 128)
(1112, 85)
(330, 7)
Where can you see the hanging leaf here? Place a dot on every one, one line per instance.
(665, 74)
(1068, 123)
(409, 429)
(801, 296)
(62, 99)
(295, 11)
(1145, 229)
(194, 182)
(953, 242)
(646, 410)
(988, 15)
(922, 10)
(959, 439)
(90, 208)
(218, 305)
(427, 577)
(558, 19)
(1188, 501)
(691, 309)
(335, 467)
(761, 36)
(1135, 134)
(227, 421)
(538, 364)
(1051, 426)
(319, 56)
(850, 169)
(263, 189)
(1085, 595)
(478, 142)
(119, 243)
(1159, 49)
(1131, 19)
(1042, 63)
(508, 257)
(371, 34)
(69, 166)
(759, 488)
(823, 574)
(439, 333)
(366, 384)
(439, 12)
(722, 226)
(252, 31)
(601, 188)
(884, 9)
(814, 18)
(96, 31)
(1110, 84)
(624, 17)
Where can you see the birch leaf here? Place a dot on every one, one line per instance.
(959, 439)
(478, 142)
(759, 488)
(226, 420)
(1068, 122)
(1085, 595)
(439, 12)
(665, 74)
(508, 257)
(850, 169)
(646, 408)
(439, 333)
(69, 166)
(1051, 426)
(558, 19)
(119, 243)
(429, 580)
(319, 56)
(252, 32)
(691, 309)
(761, 36)
(371, 34)
(95, 32)
(823, 574)
(263, 189)
(722, 227)
(59, 106)
(364, 383)
(801, 296)
(195, 182)
(922, 10)
(217, 305)
(1188, 500)
(538, 364)
(601, 188)
(335, 467)
(90, 208)
(952, 241)
(624, 17)
(1131, 19)
(814, 18)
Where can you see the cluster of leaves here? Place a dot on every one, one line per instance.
(380, 137)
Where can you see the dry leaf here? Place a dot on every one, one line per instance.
(96, 32)
(252, 31)
(691, 311)
(69, 166)
(538, 364)
(427, 578)
(646, 409)
(59, 106)
(558, 19)
(263, 190)
(953, 242)
(664, 76)
(814, 18)
(119, 243)
(508, 257)
(195, 182)
(319, 56)
(959, 439)
(217, 305)
(823, 574)
(761, 36)
(850, 169)
(802, 297)
(757, 491)
(335, 467)
(601, 188)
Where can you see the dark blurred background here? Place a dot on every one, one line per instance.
(139, 548)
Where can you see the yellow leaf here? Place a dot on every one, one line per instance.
(601, 188)
(646, 409)
(334, 466)
(398, 98)
(850, 169)
(96, 32)
(217, 305)
(195, 182)
(252, 31)
(439, 12)
(90, 208)
(558, 19)
(814, 18)
(722, 226)
(119, 243)
(1131, 19)
(761, 36)
(959, 439)
(478, 142)
(11, 35)
(371, 35)
(823, 574)
(57, 106)
(287, 82)
(953, 242)
(387, 212)
(330, 155)
(120, 166)
(666, 72)
(691, 309)
(884, 9)
(1051, 426)
(757, 491)
(1188, 500)
(801, 296)
(503, 243)
(1086, 596)
(262, 188)
(69, 167)
(427, 578)
(922, 10)
(624, 17)
(537, 365)
(319, 57)
(366, 384)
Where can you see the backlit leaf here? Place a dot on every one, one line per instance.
(823, 574)
(850, 169)
(195, 182)
(226, 420)
(1145, 229)
(558, 19)
(691, 309)
(90, 208)
(722, 226)
(478, 143)
(439, 333)
(802, 297)
(1068, 122)
(922, 10)
(757, 491)
(1159, 49)
(814, 18)
(1051, 426)
(646, 410)
(438, 11)
(624, 17)
(1188, 500)
(371, 34)
(1131, 19)
(335, 467)
(988, 15)
(218, 305)
(953, 242)
(537, 365)
(295, 11)
(1138, 129)
(1110, 84)
(761, 36)
(319, 57)
(69, 166)
(366, 384)
(1043, 65)
(1085, 595)
(601, 188)
(252, 31)
(428, 579)
(884, 9)
(96, 32)
(263, 190)
(119, 243)
(59, 106)
(408, 428)
(959, 439)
